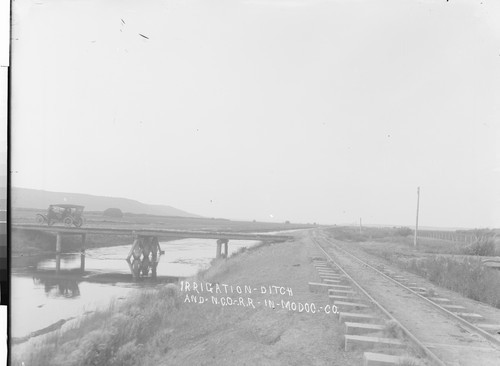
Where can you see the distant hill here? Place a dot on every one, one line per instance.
(34, 198)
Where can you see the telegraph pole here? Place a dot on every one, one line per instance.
(360, 226)
(416, 224)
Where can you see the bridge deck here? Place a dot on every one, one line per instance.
(160, 233)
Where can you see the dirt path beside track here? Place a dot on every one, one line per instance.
(263, 336)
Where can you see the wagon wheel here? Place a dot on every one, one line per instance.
(78, 222)
(68, 221)
(40, 219)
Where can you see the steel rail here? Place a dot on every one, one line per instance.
(484, 334)
(415, 340)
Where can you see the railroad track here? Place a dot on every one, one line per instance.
(431, 328)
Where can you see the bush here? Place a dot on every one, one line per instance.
(114, 337)
(483, 246)
(404, 231)
(113, 212)
(468, 277)
(348, 234)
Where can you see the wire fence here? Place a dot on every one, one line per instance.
(466, 238)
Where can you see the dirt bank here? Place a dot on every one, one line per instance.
(163, 328)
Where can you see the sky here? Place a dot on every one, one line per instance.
(307, 111)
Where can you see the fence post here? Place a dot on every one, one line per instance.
(415, 239)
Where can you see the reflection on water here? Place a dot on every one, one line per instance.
(42, 294)
(33, 308)
(57, 286)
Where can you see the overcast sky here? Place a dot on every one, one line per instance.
(300, 110)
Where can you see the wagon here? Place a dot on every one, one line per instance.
(69, 215)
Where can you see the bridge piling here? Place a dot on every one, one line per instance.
(218, 253)
(58, 242)
(58, 263)
(155, 253)
(144, 256)
(218, 250)
(58, 252)
(82, 254)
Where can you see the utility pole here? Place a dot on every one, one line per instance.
(360, 226)
(416, 224)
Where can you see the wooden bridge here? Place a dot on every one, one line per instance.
(145, 252)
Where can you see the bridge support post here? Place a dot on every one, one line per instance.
(155, 255)
(218, 250)
(82, 254)
(58, 252)
(132, 263)
(218, 253)
(58, 242)
(58, 263)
